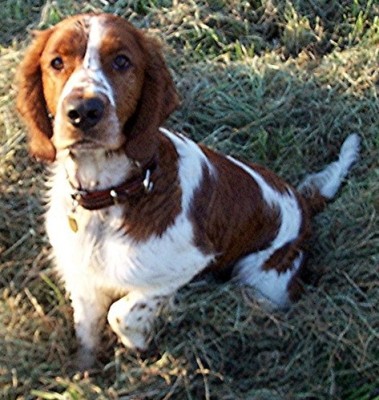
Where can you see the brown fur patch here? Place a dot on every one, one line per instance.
(154, 212)
(230, 216)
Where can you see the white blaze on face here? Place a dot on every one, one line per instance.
(92, 60)
(92, 57)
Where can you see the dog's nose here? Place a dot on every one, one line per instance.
(85, 113)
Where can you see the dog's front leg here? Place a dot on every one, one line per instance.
(132, 317)
(89, 317)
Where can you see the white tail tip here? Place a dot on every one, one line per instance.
(350, 151)
(328, 181)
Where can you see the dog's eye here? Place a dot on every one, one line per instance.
(121, 63)
(57, 63)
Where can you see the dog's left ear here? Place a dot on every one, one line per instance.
(158, 100)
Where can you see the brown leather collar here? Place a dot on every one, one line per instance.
(96, 200)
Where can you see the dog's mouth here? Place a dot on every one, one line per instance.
(85, 144)
(78, 143)
(103, 137)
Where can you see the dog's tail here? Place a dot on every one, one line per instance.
(322, 186)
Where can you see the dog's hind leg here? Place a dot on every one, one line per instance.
(271, 283)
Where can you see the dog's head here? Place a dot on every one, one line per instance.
(94, 81)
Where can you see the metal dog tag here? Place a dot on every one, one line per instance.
(72, 223)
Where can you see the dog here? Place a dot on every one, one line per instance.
(136, 211)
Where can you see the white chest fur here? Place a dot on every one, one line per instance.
(99, 254)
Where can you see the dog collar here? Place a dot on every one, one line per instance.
(98, 199)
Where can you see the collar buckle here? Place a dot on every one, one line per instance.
(147, 183)
(115, 197)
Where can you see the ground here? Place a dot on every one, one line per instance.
(277, 82)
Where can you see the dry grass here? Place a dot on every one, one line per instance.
(281, 83)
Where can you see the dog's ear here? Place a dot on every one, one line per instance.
(158, 100)
(31, 102)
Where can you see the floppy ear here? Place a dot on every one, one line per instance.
(158, 100)
(31, 101)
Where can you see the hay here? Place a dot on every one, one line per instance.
(274, 82)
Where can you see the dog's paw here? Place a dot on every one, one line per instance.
(84, 361)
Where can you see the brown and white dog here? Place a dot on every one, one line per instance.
(135, 211)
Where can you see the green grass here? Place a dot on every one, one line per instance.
(278, 82)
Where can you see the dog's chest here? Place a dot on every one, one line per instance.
(102, 253)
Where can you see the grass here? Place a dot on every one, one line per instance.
(277, 82)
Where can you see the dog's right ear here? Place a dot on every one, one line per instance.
(31, 102)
